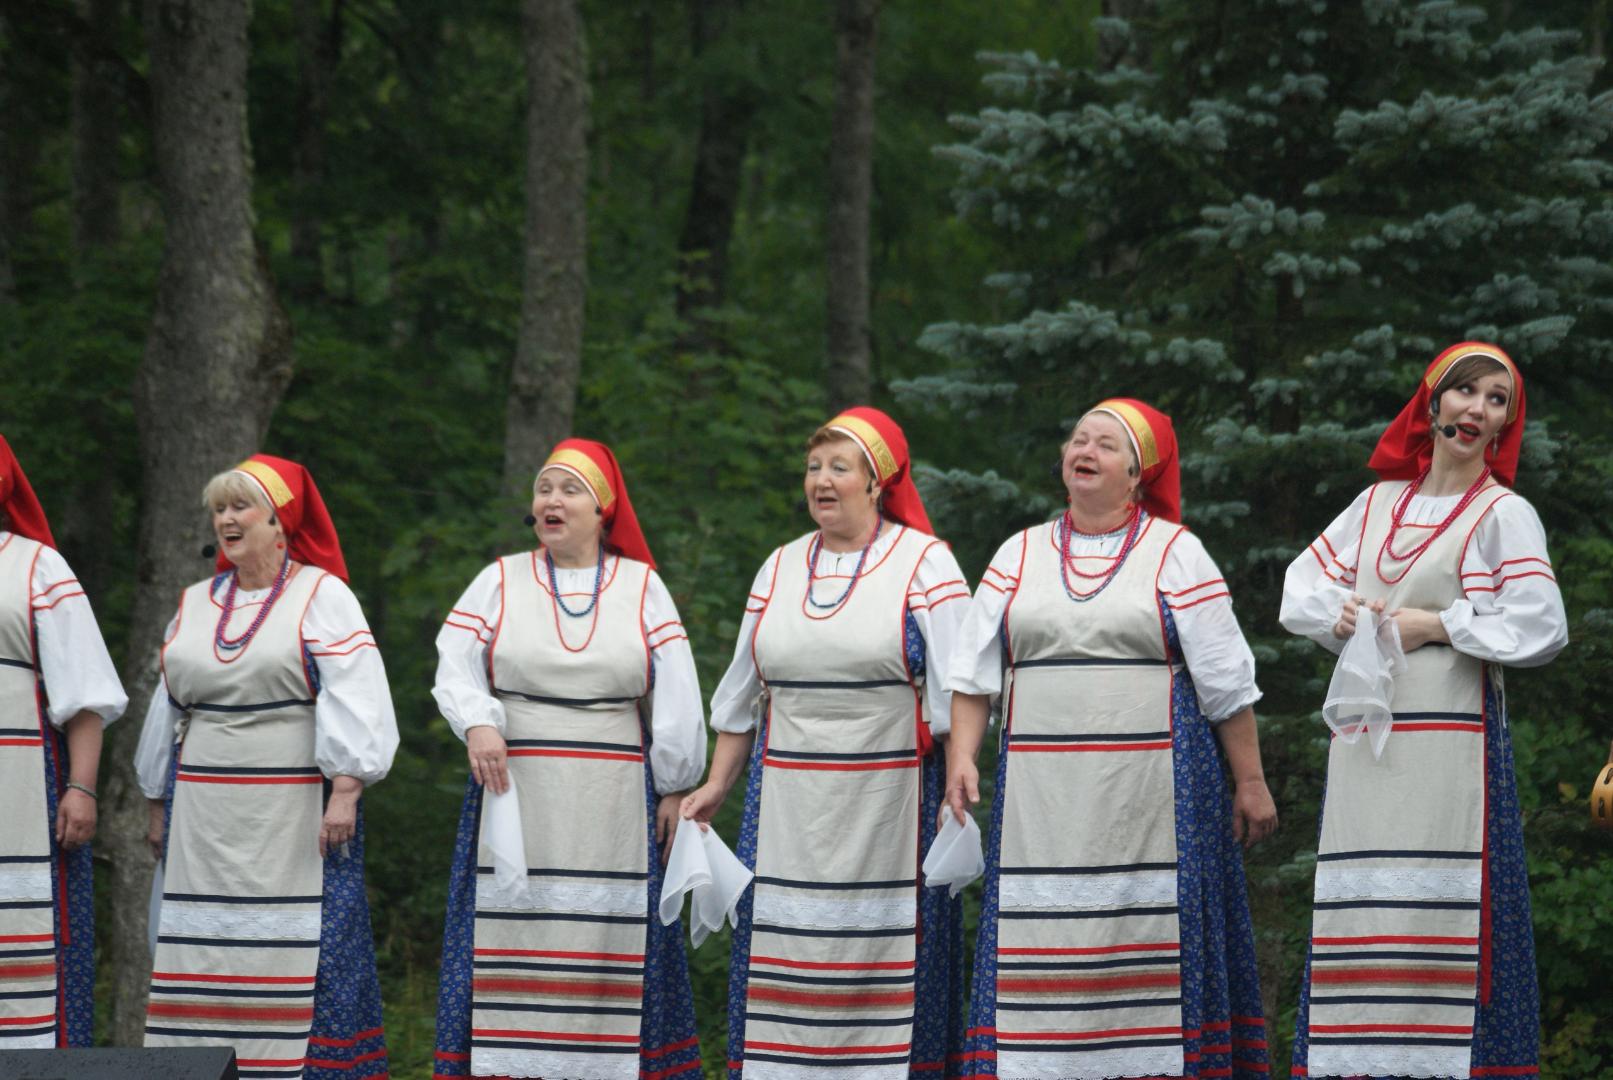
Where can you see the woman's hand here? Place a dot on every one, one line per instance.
(666, 821)
(1254, 814)
(75, 819)
(701, 804)
(1419, 628)
(156, 813)
(341, 813)
(1345, 627)
(489, 761)
(963, 785)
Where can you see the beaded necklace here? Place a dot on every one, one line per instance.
(560, 604)
(1067, 527)
(554, 584)
(1398, 512)
(812, 566)
(221, 638)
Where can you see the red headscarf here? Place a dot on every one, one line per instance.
(883, 444)
(18, 499)
(1153, 439)
(595, 465)
(310, 536)
(1407, 446)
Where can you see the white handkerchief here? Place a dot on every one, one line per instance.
(956, 857)
(154, 912)
(686, 870)
(501, 830)
(1358, 698)
(701, 865)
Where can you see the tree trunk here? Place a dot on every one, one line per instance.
(97, 96)
(216, 362)
(15, 160)
(851, 188)
(726, 112)
(548, 353)
(319, 44)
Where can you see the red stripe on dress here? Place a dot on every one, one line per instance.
(1077, 748)
(1509, 562)
(21, 939)
(451, 1055)
(802, 1048)
(1096, 950)
(559, 987)
(1475, 727)
(1251, 1021)
(1506, 1070)
(1394, 939)
(1399, 1029)
(194, 778)
(482, 635)
(1196, 603)
(850, 766)
(676, 1070)
(22, 742)
(270, 1063)
(671, 1048)
(1251, 1066)
(470, 615)
(1077, 1036)
(1395, 975)
(567, 1036)
(18, 971)
(20, 1020)
(800, 997)
(230, 1012)
(341, 641)
(1088, 983)
(1510, 577)
(561, 954)
(324, 1063)
(595, 755)
(833, 965)
(59, 599)
(343, 652)
(1196, 588)
(171, 976)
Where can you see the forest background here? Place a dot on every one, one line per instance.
(411, 243)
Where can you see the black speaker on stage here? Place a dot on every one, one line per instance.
(159, 1063)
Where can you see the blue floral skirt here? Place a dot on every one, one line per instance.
(73, 911)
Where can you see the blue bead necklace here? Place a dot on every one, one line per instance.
(554, 584)
(1067, 527)
(812, 566)
(221, 638)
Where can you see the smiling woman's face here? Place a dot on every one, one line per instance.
(567, 516)
(1099, 467)
(243, 530)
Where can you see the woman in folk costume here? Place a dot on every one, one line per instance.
(843, 965)
(1422, 952)
(568, 674)
(57, 690)
(272, 716)
(1115, 937)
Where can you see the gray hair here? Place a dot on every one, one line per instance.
(232, 485)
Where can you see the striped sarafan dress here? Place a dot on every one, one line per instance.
(844, 965)
(567, 974)
(262, 944)
(1115, 938)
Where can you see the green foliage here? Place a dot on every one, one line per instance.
(1268, 231)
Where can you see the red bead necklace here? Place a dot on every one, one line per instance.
(1398, 513)
(1133, 527)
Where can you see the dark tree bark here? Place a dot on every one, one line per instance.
(726, 112)
(17, 151)
(851, 185)
(548, 354)
(319, 46)
(97, 97)
(216, 362)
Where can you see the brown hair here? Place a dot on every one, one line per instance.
(827, 434)
(1468, 367)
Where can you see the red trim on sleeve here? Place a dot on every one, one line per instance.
(59, 599)
(1195, 588)
(1510, 562)
(1510, 577)
(1196, 603)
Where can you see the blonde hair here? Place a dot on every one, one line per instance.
(232, 485)
(1469, 367)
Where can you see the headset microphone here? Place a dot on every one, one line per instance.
(208, 551)
(1449, 431)
(530, 520)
